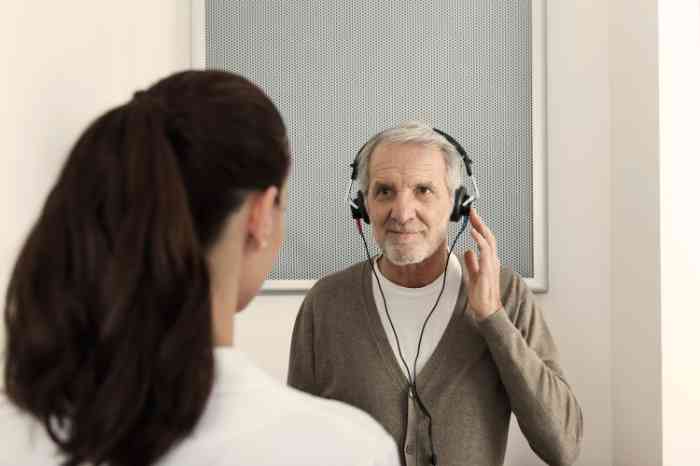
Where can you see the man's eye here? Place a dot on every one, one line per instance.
(382, 191)
(424, 190)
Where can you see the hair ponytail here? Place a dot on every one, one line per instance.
(121, 332)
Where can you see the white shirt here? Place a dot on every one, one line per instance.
(250, 419)
(409, 307)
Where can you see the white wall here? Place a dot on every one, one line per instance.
(63, 64)
(578, 303)
(679, 122)
(635, 234)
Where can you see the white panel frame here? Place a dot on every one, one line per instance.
(539, 282)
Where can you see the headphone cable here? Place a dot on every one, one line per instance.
(412, 379)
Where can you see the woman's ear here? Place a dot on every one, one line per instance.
(261, 216)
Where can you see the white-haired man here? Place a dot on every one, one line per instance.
(485, 351)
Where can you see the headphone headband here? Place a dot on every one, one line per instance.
(460, 150)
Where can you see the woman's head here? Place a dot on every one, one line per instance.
(237, 150)
(160, 205)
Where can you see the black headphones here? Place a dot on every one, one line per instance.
(462, 201)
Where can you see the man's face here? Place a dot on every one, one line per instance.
(408, 201)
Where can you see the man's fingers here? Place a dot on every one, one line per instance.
(481, 227)
(488, 260)
(472, 265)
(484, 246)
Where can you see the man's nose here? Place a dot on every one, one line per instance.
(404, 208)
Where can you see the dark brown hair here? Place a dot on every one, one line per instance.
(108, 316)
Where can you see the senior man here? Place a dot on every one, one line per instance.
(440, 365)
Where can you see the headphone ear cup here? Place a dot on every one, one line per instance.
(363, 207)
(360, 212)
(458, 210)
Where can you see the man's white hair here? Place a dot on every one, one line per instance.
(411, 132)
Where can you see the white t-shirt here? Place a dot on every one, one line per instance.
(250, 419)
(409, 307)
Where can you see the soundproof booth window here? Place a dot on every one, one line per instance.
(342, 71)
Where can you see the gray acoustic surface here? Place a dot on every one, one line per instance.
(342, 71)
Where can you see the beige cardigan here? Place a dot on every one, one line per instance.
(477, 375)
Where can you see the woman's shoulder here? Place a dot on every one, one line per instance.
(252, 418)
(274, 424)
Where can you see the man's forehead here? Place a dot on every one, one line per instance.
(401, 148)
(416, 161)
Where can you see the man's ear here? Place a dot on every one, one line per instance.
(261, 216)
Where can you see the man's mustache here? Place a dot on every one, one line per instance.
(397, 228)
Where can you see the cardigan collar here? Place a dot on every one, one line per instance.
(461, 336)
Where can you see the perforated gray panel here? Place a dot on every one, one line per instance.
(341, 71)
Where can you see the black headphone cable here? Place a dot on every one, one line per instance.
(412, 379)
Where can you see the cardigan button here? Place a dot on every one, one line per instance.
(409, 449)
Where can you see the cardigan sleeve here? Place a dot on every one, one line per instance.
(527, 359)
(301, 374)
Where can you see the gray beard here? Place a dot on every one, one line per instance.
(396, 256)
